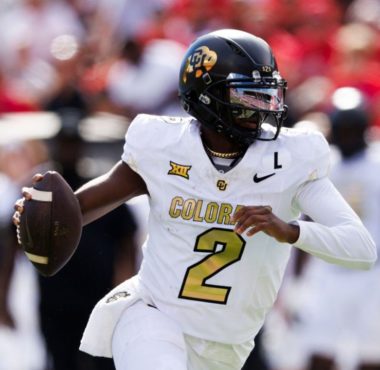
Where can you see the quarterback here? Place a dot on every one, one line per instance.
(226, 186)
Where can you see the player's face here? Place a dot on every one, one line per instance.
(250, 104)
(248, 119)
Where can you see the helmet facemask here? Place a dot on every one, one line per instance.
(246, 109)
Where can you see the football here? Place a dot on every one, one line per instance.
(51, 224)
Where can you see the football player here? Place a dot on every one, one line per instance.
(226, 186)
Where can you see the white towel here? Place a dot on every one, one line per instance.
(97, 336)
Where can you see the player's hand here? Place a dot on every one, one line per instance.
(19, 204)
(252, 219)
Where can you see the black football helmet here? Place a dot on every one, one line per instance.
(350, 120)
(229, 77)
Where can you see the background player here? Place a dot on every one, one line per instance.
(333, 339)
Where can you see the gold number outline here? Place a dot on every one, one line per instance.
(187, 292)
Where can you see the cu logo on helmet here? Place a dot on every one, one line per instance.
(202, 60)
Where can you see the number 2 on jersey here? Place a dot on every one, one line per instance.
(231, 246)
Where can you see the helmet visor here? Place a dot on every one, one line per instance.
(253, 98)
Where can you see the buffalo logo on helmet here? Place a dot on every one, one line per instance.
(201, 61)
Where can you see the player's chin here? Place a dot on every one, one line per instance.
(247, 124)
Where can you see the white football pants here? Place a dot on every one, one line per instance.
(146, 339)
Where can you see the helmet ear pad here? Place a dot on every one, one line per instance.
(205, 107)
(218, 100)
(194, 106)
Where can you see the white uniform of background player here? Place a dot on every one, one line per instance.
(334, 312)
(341, 311)
(211, 288)
(338, 310)
(358, 180)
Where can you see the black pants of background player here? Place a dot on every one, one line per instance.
(67, 298)
(257, 360)
(63, 347)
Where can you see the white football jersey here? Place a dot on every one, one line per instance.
(217, 284)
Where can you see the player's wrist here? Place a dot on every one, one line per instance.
(293, 232)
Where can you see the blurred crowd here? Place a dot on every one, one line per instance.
(90, 52)
(101, 62)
